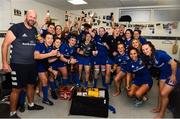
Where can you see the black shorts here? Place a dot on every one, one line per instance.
(23, 74)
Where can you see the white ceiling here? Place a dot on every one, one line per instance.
(92, 4)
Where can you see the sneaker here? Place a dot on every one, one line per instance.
(15, 116)
(138, 103)
(54, 95)
(145, 98)
(35, 107)
(48, 102)
(22, 108)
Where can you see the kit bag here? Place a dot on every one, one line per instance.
(89, 105)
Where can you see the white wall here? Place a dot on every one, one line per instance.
(99, 12)
(1, 40)
(6, 13)
(167, 46)
(40, 8)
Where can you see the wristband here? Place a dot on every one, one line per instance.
(68, 61)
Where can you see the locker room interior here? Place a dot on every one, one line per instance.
(157, 19)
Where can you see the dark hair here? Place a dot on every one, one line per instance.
(116, 25)
(49, 34)
(151, 46)
(121, 44)
(102, 28)
(57, 38)
(129, 50)
(84, 39)
(94, 30)
(131, 32)
(53, 24)
(74, 37)
(86, 25)
(58, 26)
(139, 31)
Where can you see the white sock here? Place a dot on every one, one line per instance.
(12, 113)
(31, 104)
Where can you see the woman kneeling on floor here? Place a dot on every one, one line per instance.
(141, 81)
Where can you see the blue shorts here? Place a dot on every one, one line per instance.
(42, 68)
(84, 60)
(109, 61)
(123, 69)
(141, 81)
(165, 74)
(57, 64)
(99, 60)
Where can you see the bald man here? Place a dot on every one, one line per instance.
(22, 39)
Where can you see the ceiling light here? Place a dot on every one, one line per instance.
(77, 2)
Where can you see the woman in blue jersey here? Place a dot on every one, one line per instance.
(137, 35)
(58, 31)
(136, 44)
(85, 52)
(141, 81)
(99, 61)
(42, 52)
(128, 38)
(54, 61)
(121, 61)
(67, 51)
(167, 66)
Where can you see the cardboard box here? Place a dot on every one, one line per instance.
(65, 92)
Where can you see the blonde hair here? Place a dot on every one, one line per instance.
(140, 45)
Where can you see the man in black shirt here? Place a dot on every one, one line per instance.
(22, 38)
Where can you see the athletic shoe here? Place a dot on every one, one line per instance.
(22, 108)
(48, 102)
(54, 95)
(138, 103)
(35, 107)
(15, 116)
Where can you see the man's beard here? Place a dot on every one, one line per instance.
(30, 22)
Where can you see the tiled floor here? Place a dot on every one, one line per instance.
(124, 107)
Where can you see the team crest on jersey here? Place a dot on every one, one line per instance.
(140, 62)
(71, 51)
(88, 48)
(43, 51)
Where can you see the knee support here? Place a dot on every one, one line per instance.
(96, 72)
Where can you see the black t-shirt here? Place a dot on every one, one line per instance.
(22, 48)
(87, 48)
(112, 43)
